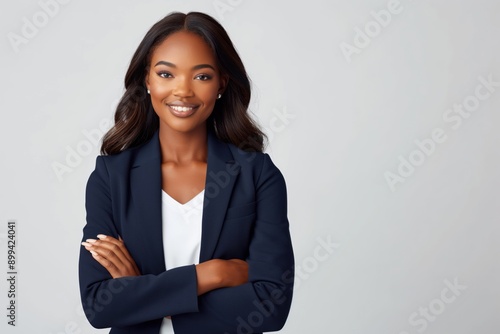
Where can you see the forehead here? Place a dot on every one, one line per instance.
(183, 48)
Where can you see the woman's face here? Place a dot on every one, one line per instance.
(184, 81)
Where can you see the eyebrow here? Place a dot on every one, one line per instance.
(196, 67)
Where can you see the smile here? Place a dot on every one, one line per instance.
(182, 111)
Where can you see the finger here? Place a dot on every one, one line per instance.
(108, 265)
(123, 248)
(115, 251)
(108, 251)
(101, 250)
(110, 262)
(119, 243)
(114, 246)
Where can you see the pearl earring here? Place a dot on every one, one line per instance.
(149, 92)
(219, 96)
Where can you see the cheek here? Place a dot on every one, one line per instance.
(157, 99)
(160, 90)
(206, 92)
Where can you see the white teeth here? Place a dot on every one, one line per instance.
(182, 109)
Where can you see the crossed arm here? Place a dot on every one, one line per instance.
(213, 274)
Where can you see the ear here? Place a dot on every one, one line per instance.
(223, 83)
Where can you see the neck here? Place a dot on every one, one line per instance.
(181, 147)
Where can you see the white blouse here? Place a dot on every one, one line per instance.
(181, 230)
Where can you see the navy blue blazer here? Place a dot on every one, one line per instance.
(244, 217)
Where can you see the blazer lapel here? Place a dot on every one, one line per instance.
(145, 206)
(222, 172)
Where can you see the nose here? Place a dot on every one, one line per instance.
(183, 87)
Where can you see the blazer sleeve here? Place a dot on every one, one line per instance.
(109, 302)
(263, 304)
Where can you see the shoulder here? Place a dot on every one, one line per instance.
(259, 163)
(119, 159)
(267, 183)
(131, 157)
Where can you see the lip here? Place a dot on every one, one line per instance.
(182, 114)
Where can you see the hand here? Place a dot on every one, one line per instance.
(235, 272)
(216, 273)
(112, 255)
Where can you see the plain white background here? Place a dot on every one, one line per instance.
(339, 122)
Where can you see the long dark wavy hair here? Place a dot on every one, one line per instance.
(135, 118)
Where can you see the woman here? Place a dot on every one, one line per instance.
(187, 227)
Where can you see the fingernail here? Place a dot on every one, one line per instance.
(93, 253)
(101, 236)
(91, 240)
(86, 244)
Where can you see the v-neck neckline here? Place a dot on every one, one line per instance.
(166, 195)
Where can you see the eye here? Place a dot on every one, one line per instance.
(203, 77)
(164, 74)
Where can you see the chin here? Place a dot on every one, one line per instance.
(183, 125)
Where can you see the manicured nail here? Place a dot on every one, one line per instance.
(86, 244)
(101, 236)
(93, 253)
(91, 240)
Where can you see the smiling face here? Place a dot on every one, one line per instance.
(184, 82)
